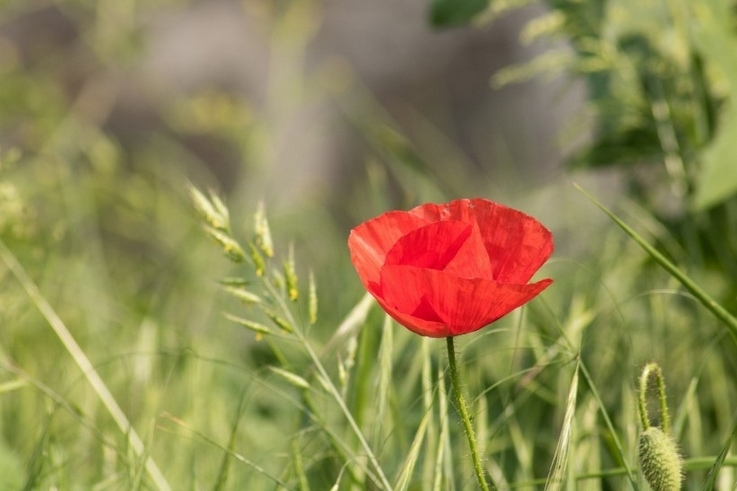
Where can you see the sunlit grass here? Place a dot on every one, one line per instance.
(139, 351)
(220, 405)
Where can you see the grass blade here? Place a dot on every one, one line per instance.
(386, 352)
(225, 464)
(409, 464)
(711, 478)
(441, 461)
(704, 298)
(609, 424)
(234, 455)
(84, 364)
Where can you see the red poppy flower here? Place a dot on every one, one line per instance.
(450, 269)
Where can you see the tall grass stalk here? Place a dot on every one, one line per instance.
(330, 386)
(610, 425)
(84, 364)
(560, 460)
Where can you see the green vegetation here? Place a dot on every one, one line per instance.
(159, 336)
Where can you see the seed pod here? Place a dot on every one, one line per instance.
(659, 460)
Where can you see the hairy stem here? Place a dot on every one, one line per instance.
(463, 409)
(652, 369)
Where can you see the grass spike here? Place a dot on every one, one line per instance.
(262, 231)
(290, 275)
(259, 265)
(414, 450)
(280, 322)
(216, 215)
(560, 459)
(290, 377)
(220, 207)
(256, 327)
(312, 299)
(243, 295)
(230, 246)
(382, 481)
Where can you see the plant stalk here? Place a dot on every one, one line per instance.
(463, 409)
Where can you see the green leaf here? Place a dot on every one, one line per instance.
(444, 13)
(711, 479)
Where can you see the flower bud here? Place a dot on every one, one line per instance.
(659, 460)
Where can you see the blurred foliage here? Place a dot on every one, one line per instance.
(94, 204)
(445, 13)
(661, 77)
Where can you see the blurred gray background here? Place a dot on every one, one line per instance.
(300, 79)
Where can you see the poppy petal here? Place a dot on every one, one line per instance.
(454, 247)
(370, 242)
(416, 323)
(472, 260)
(516, 243)
(463, 305)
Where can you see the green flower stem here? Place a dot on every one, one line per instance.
(461, 402)
(652, 369)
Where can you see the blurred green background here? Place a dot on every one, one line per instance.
(331, 112)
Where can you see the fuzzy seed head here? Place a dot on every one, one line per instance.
(659, 460)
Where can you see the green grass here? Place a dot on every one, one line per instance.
(149, 344)
(361, 404)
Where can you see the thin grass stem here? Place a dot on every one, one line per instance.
(609, 424)
(84, 364)
(383, 481)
